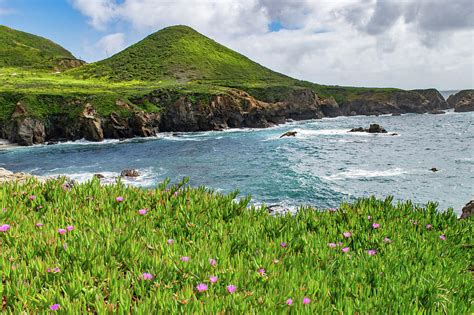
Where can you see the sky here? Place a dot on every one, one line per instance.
(375, 43)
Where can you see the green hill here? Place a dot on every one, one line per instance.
(179, 53)
(24, 50)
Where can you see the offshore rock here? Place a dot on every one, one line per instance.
(462, 101)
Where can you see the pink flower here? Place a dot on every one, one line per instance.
(39, 224)
(175, 194)
(201, 287)
(306, 301)
(54, 307)
(369, 217)
(345, 249)
(332, 245)
(428, 226)
(147, 276)
(372, 252)
(213, 279)
(289, 302)
(4, 228)
(185, 258)
(56, 270)
(414, 222)
(119, 199)
(261, 271)
(387, 240)
(212, 262)
(69, 228)
(442, 237)
(231, 288)
(283, 244)
(32, 197)
(347, 234)
(142, 211)
(170, 241)
(332, 210)
(375, 225)
(62, 231)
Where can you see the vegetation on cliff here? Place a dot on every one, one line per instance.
(176, 249)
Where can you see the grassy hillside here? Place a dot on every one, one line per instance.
(20, 49)
(116, 249)
(182, 54)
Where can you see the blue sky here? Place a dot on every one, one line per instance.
(406, 44)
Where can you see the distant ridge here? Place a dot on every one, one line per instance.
(24, 50)
(180, 53)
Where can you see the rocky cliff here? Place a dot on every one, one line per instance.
(195, 112)
(463, 101)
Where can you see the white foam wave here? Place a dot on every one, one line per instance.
(359, 173)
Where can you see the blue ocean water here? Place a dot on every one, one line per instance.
(321, 166)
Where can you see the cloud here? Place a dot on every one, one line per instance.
(111, 44)
(347, 42)
(100, 12)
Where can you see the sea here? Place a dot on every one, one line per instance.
(321, 167)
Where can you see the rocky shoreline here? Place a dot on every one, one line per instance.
(233, 109)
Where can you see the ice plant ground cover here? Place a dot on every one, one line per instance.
(109, 258)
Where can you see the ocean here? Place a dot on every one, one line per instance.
(322, 166)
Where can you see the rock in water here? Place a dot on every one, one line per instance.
(468, 210)
(434, 169)
(376, 128)
(373, 128)
(289, 134)
(129, 173)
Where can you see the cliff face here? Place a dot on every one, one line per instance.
(463, 101)
(195, 112)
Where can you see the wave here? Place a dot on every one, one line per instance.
(359, 173)
(148, 177)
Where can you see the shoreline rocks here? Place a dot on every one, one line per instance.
(467, 210)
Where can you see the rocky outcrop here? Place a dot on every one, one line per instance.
(129, 173)
(468, 210)
(289, 134)
(8, 176)
(373, 128)
(436, 100)
(462, 101)
(91, 125)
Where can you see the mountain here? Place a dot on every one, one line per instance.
(182, 54)
(24, 50)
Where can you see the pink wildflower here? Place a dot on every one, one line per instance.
(119, 199)
(306, 301)
(147, 276)
(54, 307)
(62, 231)
(428, 226)
(289, 302)
(369, 217)
(347, 234)
(231, 288)
(185, 258)
(142, 211)
(213, 279)
(283, 244)
(332, 245)
(212, 262)
(375, 225)
(4, 228)
(39, 224)
(387, 240)
(170, 241)
(345, 249)
(442, 237)
(32, 197)
(372, 252)
(261, 271)
(176, 194)
(56, 270)
(201, 287)
(69, 228)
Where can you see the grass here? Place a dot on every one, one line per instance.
(20, 49)
(104, 259)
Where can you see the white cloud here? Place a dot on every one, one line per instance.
(408, 44)
(111, 44)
